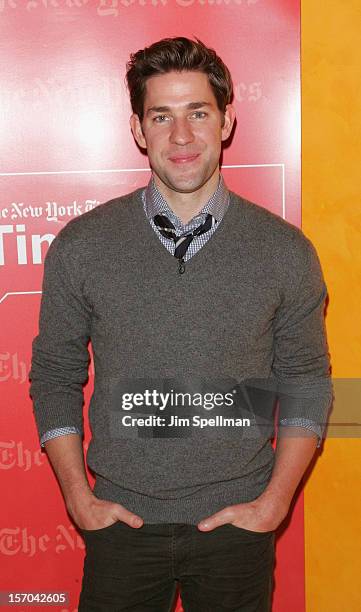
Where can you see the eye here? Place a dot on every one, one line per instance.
(160, 118)
(199, 114)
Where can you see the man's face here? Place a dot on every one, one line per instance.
(182, 129)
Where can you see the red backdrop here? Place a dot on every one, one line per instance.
(65, 147)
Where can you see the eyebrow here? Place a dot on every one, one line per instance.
(165, 109)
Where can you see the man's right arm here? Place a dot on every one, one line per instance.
(59, 369)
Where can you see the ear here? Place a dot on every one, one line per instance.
(228, 121)
(137, 131)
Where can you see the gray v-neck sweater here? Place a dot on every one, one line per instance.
(248, 306)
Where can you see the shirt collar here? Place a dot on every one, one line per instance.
(155, 203)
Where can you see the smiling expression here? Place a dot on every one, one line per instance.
(182, 130)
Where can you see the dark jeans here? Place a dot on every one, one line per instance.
(139, 569)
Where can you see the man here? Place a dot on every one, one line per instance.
(181, 287)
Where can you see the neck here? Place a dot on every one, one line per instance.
(187, 205)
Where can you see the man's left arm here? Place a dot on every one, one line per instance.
(293, 454)
(301, 367)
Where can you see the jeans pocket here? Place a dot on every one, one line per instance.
(101, 530)
(252, 533)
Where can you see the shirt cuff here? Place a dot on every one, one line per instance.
(59, 431)
(306, 423)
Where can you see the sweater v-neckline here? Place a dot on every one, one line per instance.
(216, 237)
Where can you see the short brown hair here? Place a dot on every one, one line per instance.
(177, 54)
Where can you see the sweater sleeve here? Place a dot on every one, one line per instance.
(60, 356)
(301, 359)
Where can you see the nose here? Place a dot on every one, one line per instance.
(181, 132)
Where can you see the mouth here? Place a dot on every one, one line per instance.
(183, 159)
